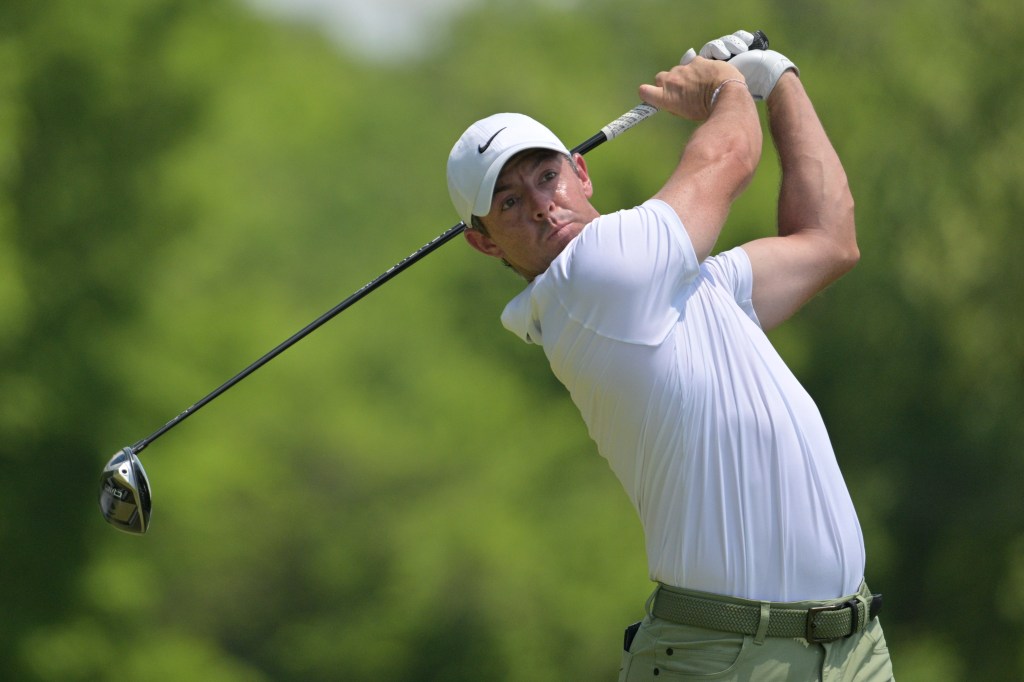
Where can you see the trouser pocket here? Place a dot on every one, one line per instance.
(666, 650)
(627, 642)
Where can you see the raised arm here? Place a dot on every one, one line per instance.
(816, 242)
(720, 157)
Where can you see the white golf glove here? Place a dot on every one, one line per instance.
(761, 68)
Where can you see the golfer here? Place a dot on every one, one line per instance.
(750, 531)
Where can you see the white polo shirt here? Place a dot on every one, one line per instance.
(721, 450)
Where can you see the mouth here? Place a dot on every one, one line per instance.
(556, 230)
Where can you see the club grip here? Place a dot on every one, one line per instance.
(760, 41)
(642, 112)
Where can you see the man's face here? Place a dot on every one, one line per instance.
(539, 205)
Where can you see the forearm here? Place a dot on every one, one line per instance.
(717, 163)
(729, 140)
(815, 195)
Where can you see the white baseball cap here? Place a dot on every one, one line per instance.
(477, 158)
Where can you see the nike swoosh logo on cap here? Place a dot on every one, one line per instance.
(483, 147)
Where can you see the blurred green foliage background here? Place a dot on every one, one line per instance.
(408, 494)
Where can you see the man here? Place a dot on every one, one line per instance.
(751, 533)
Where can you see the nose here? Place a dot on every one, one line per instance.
(541, 204)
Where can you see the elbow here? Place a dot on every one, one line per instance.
(837, 260)
(847, 259)
(851, 256)
(847, 252)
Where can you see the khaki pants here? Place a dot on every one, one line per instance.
(663, 650)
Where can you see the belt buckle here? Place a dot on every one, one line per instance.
(815, 610)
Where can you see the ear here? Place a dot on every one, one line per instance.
(482, 243)
(584, 175)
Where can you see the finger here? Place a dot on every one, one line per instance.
(651, 94)
(735, 44)
(690, 55)
(746, 36)
(716, 49)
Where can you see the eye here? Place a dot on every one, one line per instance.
(508, 203)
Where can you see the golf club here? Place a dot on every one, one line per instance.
(125, 498)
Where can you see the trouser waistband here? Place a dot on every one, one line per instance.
(826, 622)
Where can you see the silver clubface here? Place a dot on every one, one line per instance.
(124, 493)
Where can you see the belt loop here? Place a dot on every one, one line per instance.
(650, 602)
(862, 621)
(762, 623)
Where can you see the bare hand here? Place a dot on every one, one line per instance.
(686, 90)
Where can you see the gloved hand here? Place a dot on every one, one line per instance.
(761, 68)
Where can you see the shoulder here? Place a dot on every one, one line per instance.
(630, 244)
(731, 267)
(732, 272)
(621, 277)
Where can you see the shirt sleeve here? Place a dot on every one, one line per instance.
(732, 270)
(625, 272)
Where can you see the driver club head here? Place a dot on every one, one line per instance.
(125, 500)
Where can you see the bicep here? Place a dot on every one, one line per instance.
(789, 271)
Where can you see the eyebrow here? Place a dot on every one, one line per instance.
(536, 159)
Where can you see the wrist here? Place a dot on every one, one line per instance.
(762, 69)
(789, 80)
(718, 91)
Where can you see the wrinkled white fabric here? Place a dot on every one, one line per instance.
(721, 450)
